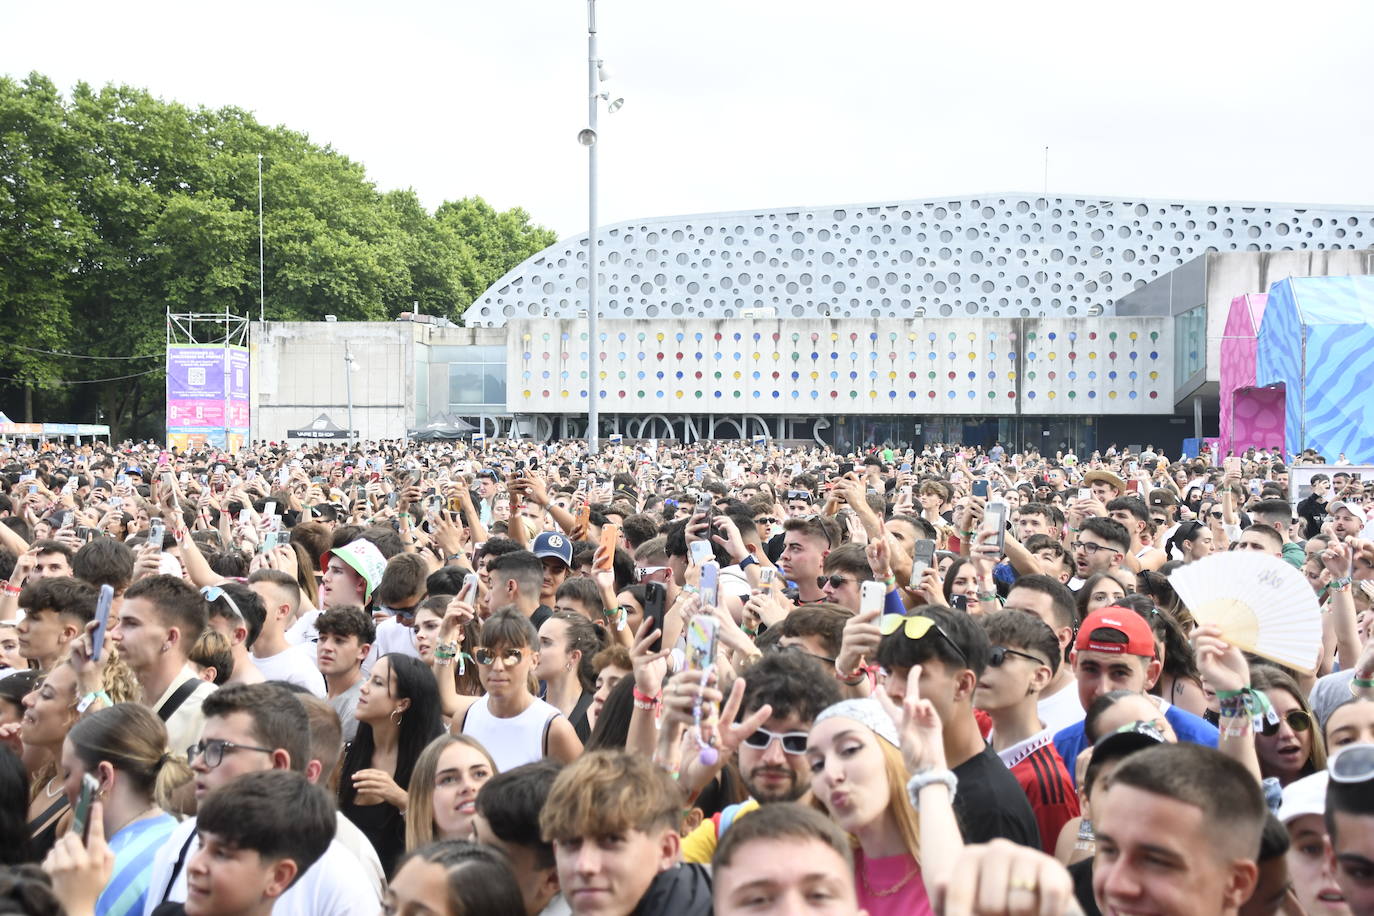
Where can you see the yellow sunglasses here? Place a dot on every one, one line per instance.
(916, 627)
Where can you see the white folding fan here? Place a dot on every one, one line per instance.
(1261, 603)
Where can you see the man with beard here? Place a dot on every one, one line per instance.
(772, 761)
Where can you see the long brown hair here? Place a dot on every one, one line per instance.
(133, 740)
(1268, 677)
(420, 803)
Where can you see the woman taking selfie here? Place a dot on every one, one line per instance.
(398, 715)
(122, 748)
(443, 790)
(445, 630)
(509, 720)
(860, 763)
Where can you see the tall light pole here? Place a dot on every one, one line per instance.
(588, 137)
(262, 281)
(596, 72)
(348, 387)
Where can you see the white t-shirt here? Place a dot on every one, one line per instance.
(1062, 709)
(187, 721)
(333, 886)
(734, 581)
(391, 637)
(295, 665)
(303, 631)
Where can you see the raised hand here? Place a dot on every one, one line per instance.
(1221, 664)
(923, 744)
(80, 869)
(859, 642)
(648, 666)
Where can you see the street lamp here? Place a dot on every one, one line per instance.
(350, 367)
(596, 73)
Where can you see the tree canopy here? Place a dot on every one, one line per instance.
(116, 206)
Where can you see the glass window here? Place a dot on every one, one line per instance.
(466, 383)
(494, 385)
(1190, 344)
(468, 355)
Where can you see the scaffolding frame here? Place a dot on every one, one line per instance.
(202, 329)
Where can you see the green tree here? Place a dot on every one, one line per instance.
(42, 233)
(497, 241)
(117, 206)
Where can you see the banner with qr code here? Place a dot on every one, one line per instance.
(207, 395)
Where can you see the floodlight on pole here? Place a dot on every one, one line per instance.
(588, 139)
(350, 367)
(597, 72)
(262, 273)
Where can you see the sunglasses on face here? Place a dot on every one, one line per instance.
(792, 742)
(917, 628)
(487, 657)
(998, 654)
(403, 615)
(834, 581)
(1297, 720)
(766, 520)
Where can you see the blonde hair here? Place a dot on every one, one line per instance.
(608, 791)
(898, 804)
(420, 795)
(118, 678)
(133, 740)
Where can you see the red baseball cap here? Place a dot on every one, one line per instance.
(1139, 638)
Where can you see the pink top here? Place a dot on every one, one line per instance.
(874, 877)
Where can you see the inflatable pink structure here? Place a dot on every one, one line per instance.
(1251, 417)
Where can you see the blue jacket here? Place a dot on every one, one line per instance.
(1069, 742)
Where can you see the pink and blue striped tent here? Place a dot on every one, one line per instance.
(1251, 417)
(1317, 339)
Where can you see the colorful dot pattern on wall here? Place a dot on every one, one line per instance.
(1066, 366)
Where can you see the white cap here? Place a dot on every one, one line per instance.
(867, 712)
(1304, 796)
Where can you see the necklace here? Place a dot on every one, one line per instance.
(888, 891)
(48, 788)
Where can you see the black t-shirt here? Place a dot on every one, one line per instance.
(989, 802)
(1082, 875)
(773, 549)
(1313, 512)
(541, 614)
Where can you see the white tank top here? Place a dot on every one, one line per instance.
(511, 742)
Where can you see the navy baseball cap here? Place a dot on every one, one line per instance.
(553, 544)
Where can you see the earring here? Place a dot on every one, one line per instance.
(396, 716)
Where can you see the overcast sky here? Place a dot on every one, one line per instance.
(739, 104)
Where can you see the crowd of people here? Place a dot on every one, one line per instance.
(735, 678)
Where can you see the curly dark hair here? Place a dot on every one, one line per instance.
(790, 682)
